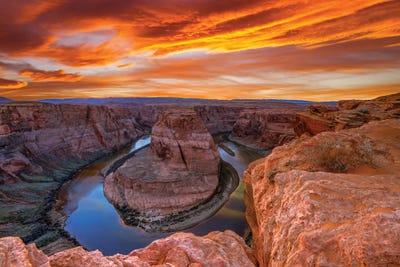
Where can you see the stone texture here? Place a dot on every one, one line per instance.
(264, 128)
(14, 253)
(178, 171)
(181, 249)
(328, 200)
(348, 114)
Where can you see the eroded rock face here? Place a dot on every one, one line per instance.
(39, 139)
(264, 128)
(14, 253)
(179, 250)
(177, 172)
(328, 200)
(41, 145)
(348, 114)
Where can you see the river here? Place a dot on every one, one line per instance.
(95, 223)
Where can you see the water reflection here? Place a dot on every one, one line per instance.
(94, 222)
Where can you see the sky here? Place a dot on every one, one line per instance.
(288, 49)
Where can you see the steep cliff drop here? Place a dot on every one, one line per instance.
(328, 200)
(178, 172)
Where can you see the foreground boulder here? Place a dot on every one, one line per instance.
(179, 170)
(181, 249)
(329, 200)
(347, 114)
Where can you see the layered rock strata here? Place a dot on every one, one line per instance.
(177, 172)
(347, 114)
(41, 145)
(265, 128)
(180, 250)
(328, 200)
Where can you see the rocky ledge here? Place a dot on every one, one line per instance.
(180, 250)
(347, 114)
(179, 171)
(328, 200)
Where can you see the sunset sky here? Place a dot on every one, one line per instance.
(288, 49)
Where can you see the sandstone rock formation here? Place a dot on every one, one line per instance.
(179, 250)
(328, 200)
(265, 128)
(178, 172)
(14, 253)
(347, 114)
(43, 144)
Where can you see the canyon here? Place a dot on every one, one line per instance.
(327, 195)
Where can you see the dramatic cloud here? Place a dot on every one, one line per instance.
(219, 49)
(10, 84)
(50, 76)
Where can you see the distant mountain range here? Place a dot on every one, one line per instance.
(168, 100)
(163, 100)
(128, 100)
(4, 100)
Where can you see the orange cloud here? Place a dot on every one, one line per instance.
(222, 49)
(50, 76)
(11, 84)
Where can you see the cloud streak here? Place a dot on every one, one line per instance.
(50, 76)
(10, 84)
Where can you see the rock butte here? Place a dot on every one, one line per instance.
(328, 200)
(180, 250)
(179, 170)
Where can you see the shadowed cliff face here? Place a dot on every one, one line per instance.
(265, 128)
(177, 172)
(331, 199)
(43, 144)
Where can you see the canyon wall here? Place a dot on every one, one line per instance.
(179, 170)
(347, 114)
(224, 249)
(43, 144)
(328, 200)
(265, 128)
(217, 118)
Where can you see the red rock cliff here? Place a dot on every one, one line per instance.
(40, 146)
(265, 128)
(347, 114)
(329, 200)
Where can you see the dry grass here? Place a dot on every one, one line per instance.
(341, 155)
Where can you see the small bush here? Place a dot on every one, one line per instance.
(341, 155)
